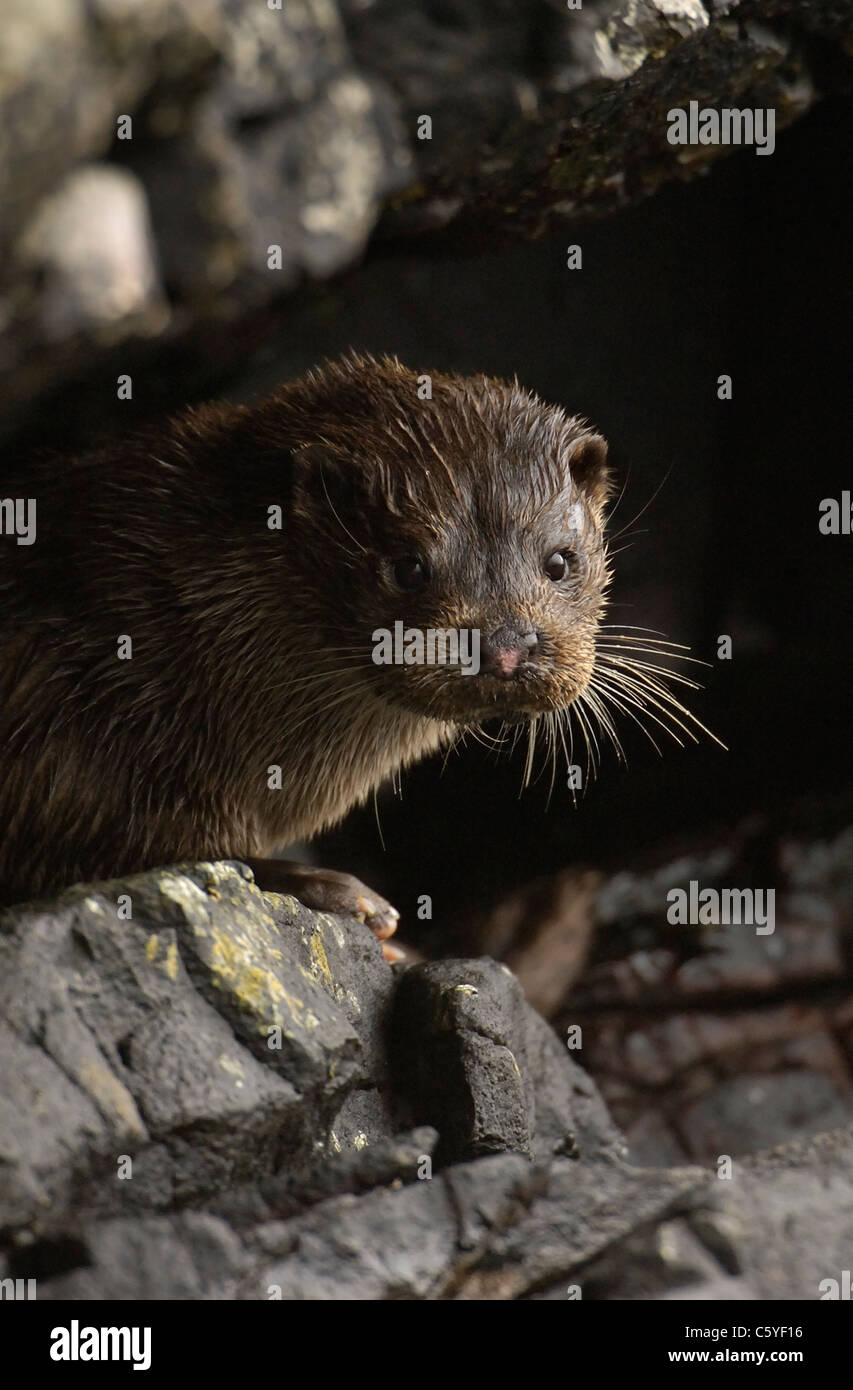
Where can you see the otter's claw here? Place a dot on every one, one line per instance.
(327, 890)
(380, 916)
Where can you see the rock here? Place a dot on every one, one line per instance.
(178, 1038)
(197, 1017)
(91, 243)
(777, 1229)
(227, 129)
(154, 1145)
(544, 933)
(753, 1111)
(497, 1228)
(192, 1256)
(265, 146)
(709, 1039)
(486, 1070)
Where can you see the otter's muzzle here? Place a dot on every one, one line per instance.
(506, 650)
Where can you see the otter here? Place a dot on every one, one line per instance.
(198, 609)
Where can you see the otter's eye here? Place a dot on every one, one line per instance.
(410, 572)
(557, 565)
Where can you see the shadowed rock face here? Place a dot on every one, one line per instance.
(225, 1095)
(169, 169)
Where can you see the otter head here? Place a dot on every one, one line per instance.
(475, 515)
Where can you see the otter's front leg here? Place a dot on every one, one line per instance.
(326, 890)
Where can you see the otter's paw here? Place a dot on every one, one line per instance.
(327, 890)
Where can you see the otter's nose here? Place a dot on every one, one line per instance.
(506, 649)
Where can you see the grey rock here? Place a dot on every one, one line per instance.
(501, 1228)
(93, 244)
(752, 1112)
(714, 1039)
(193, 1256)
(297, 128)
(475, 1057)
(293, 1172)
(570, 1115)
(713, 1290)
(178, 1039)
(457, 1036)
(202, 1037)
(790, 1215)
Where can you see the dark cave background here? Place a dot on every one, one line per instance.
(744, 271)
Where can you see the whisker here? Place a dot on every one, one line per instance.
(531, 744)
(564, 724)
(642, 684)
(378, 822)
(593, 757)
(644, 509)
(643, 668)
(614, 509)
(622, 703)
(605, 722)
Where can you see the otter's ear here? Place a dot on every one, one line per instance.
(589, 470)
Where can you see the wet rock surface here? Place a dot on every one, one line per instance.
(226, 1096)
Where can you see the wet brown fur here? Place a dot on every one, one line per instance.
(251, 646)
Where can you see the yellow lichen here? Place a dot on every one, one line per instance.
(318, 956)
(170, 965)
